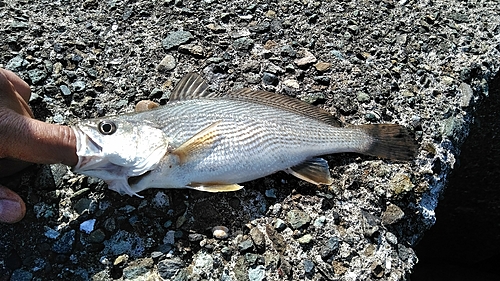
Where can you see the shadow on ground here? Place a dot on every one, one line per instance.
(465, 242)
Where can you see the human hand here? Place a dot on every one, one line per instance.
(24, 140)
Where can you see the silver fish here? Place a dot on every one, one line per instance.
(214, 141)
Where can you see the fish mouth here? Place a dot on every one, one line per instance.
(88, 151)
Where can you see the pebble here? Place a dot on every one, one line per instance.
(167, 63)
(87, 226)
(258, 239)
(307, 58)
(169, 268)
(243, 43)
(269, 79)
(17, 63)
(257, 273)
(195, 237)
(392, 214)
(121, 259)
(467, 94)
(308, 266)
(97, 236)
(297, 218)
(169, 237)
(51, 233)
(363, 97)
(279, 225)
(291, 83)
(271, 193)
(322, 66)
(288, 51)
(203, 263)
(245, 245)
(65, 90)
(220, 232)
(330, 248)
(64, 245)
(36, 75)
(174, 39)
(306, 239)
(192, 49)
(21, 275)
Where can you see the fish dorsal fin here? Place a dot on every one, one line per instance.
(191, 86)
(203, 139)
(314, 170)
(283, 102)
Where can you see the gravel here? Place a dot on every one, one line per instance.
(425, 65)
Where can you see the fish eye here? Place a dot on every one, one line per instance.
(107, 127)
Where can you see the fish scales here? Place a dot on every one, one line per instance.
(213, 142)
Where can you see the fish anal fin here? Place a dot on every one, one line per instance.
(191, 86)
(215, 187)
(202, 140)
(314, 170)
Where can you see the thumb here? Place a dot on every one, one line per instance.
(12, 207)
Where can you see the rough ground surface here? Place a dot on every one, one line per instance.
(422, 64)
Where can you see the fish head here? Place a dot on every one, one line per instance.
(116, 148)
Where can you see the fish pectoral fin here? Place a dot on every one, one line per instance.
(202, 140)
(314, 170)
(215, 187)
(121, 186)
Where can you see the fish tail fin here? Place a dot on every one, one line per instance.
(390, 141)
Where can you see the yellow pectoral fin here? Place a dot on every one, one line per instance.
(211, 187)
(202, 140)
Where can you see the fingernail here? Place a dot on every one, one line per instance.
(12, 208)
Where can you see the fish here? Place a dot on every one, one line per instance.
(215, 141)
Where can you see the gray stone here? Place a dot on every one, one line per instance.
(243, 44)
(174, 39)
(330, 248)
(97, 236)
(308, 266)
(257, 273)
(269, 79)
(169, 268)
(245, 245)
(392, 214)
(467, 94)
(21, 275)
(192, 49)
(65, 90)
(78, 85)
(36, 75)
(167, 63)
(64, 245)
(298, 219)
(258, 239)
(17, 63)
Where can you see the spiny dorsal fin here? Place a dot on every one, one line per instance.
(283, 102)
(314, 170)
(191, 86)
(200, 141)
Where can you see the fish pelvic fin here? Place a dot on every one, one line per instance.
(390, 141)
(215, 187)
(314, 170)
(202, 140)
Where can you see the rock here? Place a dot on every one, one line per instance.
(258, 239)
(17, 63)
(36, 75)
(307, 58)
(64, 245)
(120, 260)
(65, 90)
(78, 86)
(245, 246)
(170, 268)
(257, 273)
(271, 193)
(21, 275)
(139, 270)
(291, 83)
(298, 219)
(269, 79)
(363, 97)
(220, 232)
(97, 236)
(330, 248)
(195, 237)
(243, 44)
(467, 94)
(176, 38)
(322, 66)
(87, 226)
(279, 225)
(392, 214)
(306, 239)
(308, 266)
(192, 49)
(203, 264)
(167, 63)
